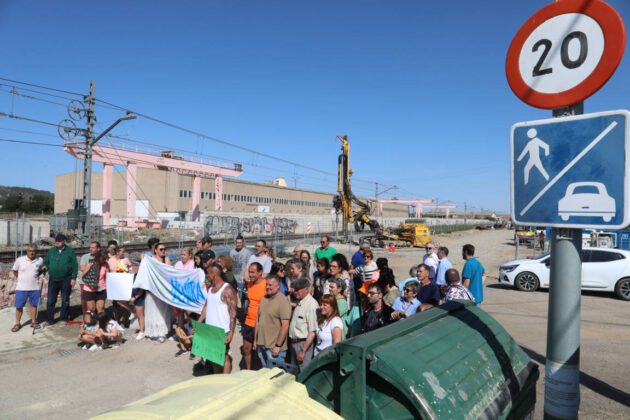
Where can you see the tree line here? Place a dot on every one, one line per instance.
(37, 203)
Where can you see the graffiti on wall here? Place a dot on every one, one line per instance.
(235, 225)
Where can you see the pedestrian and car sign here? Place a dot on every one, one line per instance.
(572, 172)
(565, 52)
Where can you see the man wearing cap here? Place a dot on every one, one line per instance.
(206, 243)
(207, 258)
(303, 325)
(62, 267)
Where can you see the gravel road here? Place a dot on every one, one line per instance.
(48, 376)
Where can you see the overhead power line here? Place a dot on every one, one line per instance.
(16, 93)
(168, 124)
(214, 139)
(30, 132)
(42, 87)
(17, 117)
(31, 142)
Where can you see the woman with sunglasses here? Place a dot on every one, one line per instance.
(278, 270)
(160, 254)
(337, 272)
(364, 273)
(158, 315)
(407, 304)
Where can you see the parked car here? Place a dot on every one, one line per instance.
(603, 269)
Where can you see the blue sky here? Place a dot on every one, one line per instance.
(419, 87)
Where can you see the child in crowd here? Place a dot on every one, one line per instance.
(87, 335)
(185, 336)
(109, 332)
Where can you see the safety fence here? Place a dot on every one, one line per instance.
(8, 284)
(440, 229)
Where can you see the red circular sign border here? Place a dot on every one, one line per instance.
(614, 46)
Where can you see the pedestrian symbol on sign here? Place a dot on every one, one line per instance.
(533, 149)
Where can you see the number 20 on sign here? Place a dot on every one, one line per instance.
(565, 52)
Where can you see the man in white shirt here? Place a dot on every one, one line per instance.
(27, 269)
(260, 258)
(431, 259)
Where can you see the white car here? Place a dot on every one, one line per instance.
(603, 269)
(592, 199)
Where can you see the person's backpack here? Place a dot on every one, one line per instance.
(90, 278)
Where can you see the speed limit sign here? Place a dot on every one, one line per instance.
(565, 52)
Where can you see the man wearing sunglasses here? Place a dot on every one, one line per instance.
(407, 304)
(325, 250)
(431, 259)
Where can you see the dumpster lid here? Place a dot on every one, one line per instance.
(267, 393)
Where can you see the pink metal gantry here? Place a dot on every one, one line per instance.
(112, 153)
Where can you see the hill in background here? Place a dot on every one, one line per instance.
(25, 199)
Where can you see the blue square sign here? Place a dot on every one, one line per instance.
(571, 172)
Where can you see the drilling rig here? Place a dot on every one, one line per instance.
(408, 234)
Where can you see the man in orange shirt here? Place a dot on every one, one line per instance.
(255, 293)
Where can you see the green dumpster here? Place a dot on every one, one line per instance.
(453, 361)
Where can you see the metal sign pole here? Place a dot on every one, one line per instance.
(562, 365)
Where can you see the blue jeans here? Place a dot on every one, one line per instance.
(265, 356)
(53, 289)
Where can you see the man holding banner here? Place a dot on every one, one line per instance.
(220, 311)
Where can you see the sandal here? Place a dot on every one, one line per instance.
(160, 339)
(36, 326)
(16, 328)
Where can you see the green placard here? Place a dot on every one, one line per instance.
(209, 342)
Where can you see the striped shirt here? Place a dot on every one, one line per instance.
(304, 319)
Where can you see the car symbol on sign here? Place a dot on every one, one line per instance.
(591, 199)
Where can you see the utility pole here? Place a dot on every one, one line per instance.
(90, 141)
(376, 198)
(87, 166)
(465, 213)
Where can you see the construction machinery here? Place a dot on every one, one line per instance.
(414, 232)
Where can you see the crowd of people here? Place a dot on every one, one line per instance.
(288, 312)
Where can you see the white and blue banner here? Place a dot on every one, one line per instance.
(184, 289)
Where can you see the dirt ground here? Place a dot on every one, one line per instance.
(47, 375)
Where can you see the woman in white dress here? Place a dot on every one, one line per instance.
(158, 315)
(330, 329)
